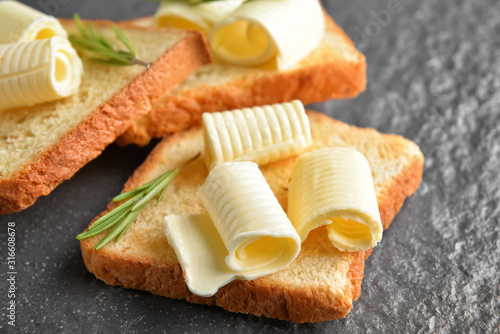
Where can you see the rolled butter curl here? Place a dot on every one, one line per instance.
(261, 30)
(38, 71)
(195, 17)
(21, 23)
(245, 235)
(334, 187)
(259, 134)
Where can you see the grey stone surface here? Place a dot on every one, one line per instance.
(433, 71)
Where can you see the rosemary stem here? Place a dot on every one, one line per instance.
(136, 61)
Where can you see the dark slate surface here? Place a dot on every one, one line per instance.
(433, 71)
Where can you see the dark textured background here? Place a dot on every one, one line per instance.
(433, 73)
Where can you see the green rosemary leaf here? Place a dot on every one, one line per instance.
(167, 182)
(153, 191)
(95, 46)
(133, 216)
(91, 32)
(121, 36)
(132, 192)
(159, 180)
(91, 41)
(161, 195)
(126, 195)
(116, 230)
(108, 216)
(154, 184)
(111, 216)
(103, 227)
(112, 62)
(79, 25)
(113, 58)
(115, 55)
(116, 211)
(120, 218)
(99, 39)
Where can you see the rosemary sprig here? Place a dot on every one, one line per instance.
(90, 40)
(120, 218)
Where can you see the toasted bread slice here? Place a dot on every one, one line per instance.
(335, 70)
(43, 145)
(321, 284)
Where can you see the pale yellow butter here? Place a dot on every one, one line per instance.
(259, 134)
(334, 187)
(259, 31)
(245, 235)
(38, 71)
(20, 23)
(196, 17)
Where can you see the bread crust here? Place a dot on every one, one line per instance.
(259, 297)
(310, 83)
(108, 121)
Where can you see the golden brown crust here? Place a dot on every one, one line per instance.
(89, 138)
(404, 185)
(330, 79)
(259, 297)
(356, 272)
